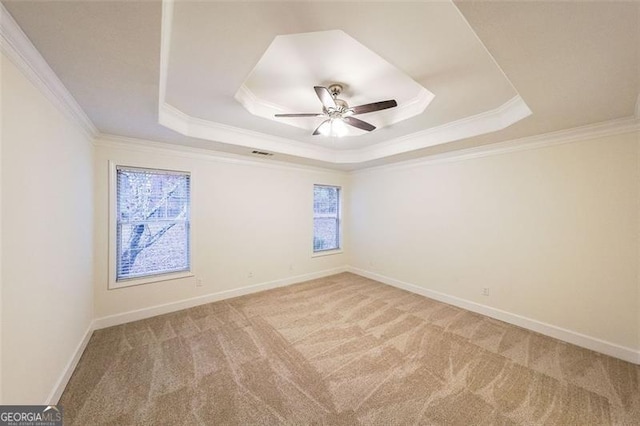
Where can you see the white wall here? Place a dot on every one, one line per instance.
(553, 232)
(247, 217)
(47, 224)
(1, 239)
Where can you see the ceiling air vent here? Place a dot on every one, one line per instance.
(266, 154)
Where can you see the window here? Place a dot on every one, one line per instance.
(326, 218)
(152, 223)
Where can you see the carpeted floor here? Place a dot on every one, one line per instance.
(342, 350)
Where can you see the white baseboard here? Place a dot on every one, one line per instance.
(578, 339)
(58, 388)
(598, 345)
(152, 311)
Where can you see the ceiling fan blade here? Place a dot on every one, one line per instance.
(312, 114)
(325, 97)
(359, 123)
(322, 128)
(376, 106)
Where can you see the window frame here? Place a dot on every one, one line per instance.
(113, 282)
(331, 251)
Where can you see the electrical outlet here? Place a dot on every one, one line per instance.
(485, 291)
(198, 282)
(250, 275)
(291, 267)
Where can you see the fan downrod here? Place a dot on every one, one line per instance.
(335, 89)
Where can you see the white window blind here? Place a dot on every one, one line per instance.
(152, 211)
(326, 218)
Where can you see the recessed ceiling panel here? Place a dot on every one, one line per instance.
(169, 71)
(280, 82)
(228, 67)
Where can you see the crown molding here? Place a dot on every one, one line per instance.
(173, 150)
(576, 134)
(254, 104)
(504, 115)
(583, 133)
(15, 44)
(490, 121)
(177, 120)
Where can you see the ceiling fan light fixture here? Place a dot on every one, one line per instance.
(338, 114)
(336, 127)
(339, 128)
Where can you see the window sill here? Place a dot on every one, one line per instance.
(326, 253)
(151, 279)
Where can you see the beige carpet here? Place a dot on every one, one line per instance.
(342, 350)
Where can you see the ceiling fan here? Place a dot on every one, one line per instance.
(338, 112)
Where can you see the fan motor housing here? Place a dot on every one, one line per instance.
(335, 89)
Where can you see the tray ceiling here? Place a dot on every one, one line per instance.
(279, 83)
(169, 72)
(279, 64)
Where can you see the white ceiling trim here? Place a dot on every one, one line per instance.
(505, 115)
(489, 121)
(577, 134)
(175, 119)
(182, 123)
(173, 150)
(255, 105)
(15, 44)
